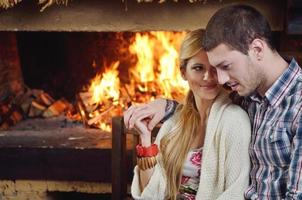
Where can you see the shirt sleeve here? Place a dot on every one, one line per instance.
(294, 183)
(170, 109)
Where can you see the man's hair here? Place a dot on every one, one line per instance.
(237, 26)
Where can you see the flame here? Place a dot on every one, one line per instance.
(155, 74)
(143, 48)
(157, 68)
(106, 86)
(169, 76)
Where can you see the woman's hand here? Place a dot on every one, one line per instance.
(141, 126)
(154, 111)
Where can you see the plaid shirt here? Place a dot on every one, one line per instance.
(276, 144)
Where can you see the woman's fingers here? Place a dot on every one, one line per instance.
(154, 111)
(141, 126)
(127, 115)
(139, 112)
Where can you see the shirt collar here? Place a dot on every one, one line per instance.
(277, 92)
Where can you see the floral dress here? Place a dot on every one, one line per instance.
(190, 176)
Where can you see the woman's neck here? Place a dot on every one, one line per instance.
(203, 107)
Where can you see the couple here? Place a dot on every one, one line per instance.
(201, 152)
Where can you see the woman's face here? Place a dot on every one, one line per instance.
(202, 77)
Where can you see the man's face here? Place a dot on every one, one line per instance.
(235, 69)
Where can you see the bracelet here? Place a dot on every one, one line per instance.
(145, 163)
(146, 151)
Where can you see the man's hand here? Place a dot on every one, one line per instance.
(153, 112)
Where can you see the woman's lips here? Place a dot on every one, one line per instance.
(209, 86)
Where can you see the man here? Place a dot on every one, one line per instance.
(238, 41)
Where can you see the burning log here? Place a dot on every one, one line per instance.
(99, 116)
(81, 109)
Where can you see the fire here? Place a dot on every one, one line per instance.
(155, 74)
(143, 48)
(169, 76)
(157, 67)
(105, 87)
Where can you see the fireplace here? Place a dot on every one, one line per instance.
(87, 38)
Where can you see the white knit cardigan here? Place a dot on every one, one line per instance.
(225, 161)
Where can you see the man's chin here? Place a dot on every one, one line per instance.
(244, 93)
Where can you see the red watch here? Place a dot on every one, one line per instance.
(146, 151)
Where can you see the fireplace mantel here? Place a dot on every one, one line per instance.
(114, 15)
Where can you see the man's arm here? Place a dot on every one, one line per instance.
(156, 111)
(294, 183)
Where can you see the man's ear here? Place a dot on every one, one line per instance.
(257, 48)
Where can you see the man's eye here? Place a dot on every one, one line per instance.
(225, 67)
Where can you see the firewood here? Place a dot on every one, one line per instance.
(87, 101)
(56, 108)
(99, 116)
(24, 100)
(12, 116)
(46, 99)
(85, 96)
(37, 93)
(81, 109)
(16, 116)
(34, 112)
(25, 105)
(37, 105)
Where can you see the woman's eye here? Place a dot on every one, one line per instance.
(198, 68)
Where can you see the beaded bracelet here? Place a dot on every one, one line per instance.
(145, 163)
(146, 156)
(146, 151)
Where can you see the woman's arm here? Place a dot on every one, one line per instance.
(150, 184)
(145, 138)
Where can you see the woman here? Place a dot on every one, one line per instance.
(202, 151)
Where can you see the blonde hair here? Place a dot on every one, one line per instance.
(177, 143)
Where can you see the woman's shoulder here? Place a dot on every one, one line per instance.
(235, 120)
(233, 110)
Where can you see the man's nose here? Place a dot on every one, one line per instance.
(222, 76)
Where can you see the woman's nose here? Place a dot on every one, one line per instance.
(208, 75)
